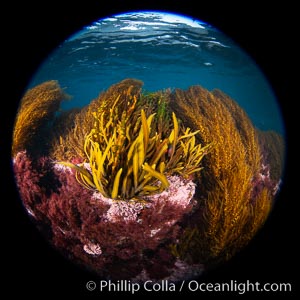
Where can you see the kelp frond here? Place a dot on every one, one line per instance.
(233, 205)
(130, 157)
(37, 110)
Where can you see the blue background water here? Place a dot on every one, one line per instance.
(164, 51)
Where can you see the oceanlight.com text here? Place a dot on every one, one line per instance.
(192, 286)
(239, 287)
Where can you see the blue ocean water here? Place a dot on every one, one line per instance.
(164, 51)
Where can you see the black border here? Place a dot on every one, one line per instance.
(32, 30)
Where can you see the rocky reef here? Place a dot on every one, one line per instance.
(138, 185)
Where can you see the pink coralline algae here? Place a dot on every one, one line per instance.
(27, 178)
(124, 210)
(97, 231)
(30, 178)
(179, 194)
(92, 249)
(262, 180)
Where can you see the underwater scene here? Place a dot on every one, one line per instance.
(148, 146)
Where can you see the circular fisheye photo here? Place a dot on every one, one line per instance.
(148, 146)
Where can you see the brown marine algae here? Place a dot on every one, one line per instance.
(230, 212)
(36, 111)
(70, 144)
(128, 154)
